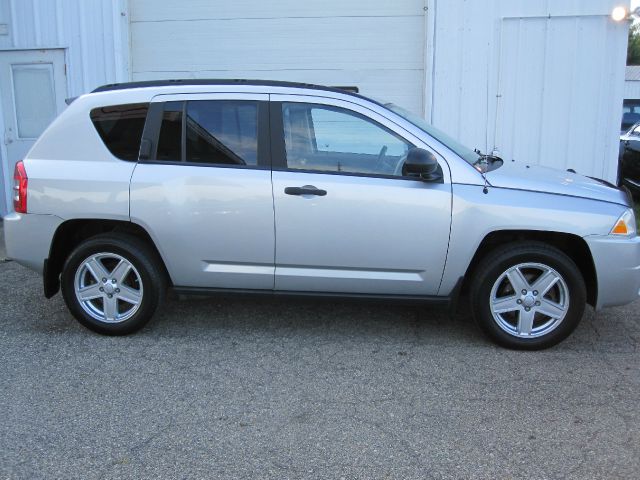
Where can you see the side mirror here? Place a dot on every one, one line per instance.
(422, 164)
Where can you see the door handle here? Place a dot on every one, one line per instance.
(305, 190)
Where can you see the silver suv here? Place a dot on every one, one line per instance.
(283, 188)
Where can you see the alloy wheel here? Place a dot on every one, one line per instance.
(108, 287)
(529, 300)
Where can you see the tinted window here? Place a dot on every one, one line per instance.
(170, 140)
(222, 132)
(120, 127)
(334, 139)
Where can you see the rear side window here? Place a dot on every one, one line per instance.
(217, 132)
(120, 127)
(222, 132)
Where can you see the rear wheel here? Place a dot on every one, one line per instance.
(528, 296)
(113, 284)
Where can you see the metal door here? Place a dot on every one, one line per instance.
(33, 89)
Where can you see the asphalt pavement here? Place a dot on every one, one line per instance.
(279, 389)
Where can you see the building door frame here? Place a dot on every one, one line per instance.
(10, 58)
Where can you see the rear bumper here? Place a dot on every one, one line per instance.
(28, 238)
(617, 263)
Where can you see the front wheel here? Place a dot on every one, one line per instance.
(113, 284)
(528, 296)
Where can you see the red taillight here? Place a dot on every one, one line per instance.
(20, 183)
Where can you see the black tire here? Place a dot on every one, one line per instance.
(141, 257)
(496, 263)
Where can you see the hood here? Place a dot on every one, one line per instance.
(550, 180)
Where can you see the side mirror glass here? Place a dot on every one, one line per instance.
(422, 164)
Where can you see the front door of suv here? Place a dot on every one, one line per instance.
(202, 189)
(347, 221)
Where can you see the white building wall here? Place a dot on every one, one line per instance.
(632, 90)
(94, 34)
(377, 45)
(539, 81)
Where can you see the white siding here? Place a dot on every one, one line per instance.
(539, 81)
(376, 45)
(94, 34)
(632, 90)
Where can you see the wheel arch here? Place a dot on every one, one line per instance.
(71, 233)
(571, 245)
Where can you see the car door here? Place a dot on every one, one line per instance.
(202, 189)
(347, 221)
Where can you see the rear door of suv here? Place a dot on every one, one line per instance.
(202, 189)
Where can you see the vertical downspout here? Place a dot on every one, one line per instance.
(430, 58)
(122, 40)
(497, 122)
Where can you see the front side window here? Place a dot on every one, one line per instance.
(333, 139)
(120, 128)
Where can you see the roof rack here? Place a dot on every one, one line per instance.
(215, 81)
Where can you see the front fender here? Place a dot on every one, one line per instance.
(475, 215)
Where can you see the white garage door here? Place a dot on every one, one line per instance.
(376, 45)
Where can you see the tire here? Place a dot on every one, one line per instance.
(134, 288)
(539, 318)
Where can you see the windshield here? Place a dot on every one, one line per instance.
(464, 152)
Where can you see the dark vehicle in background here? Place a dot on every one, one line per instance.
(630, 159)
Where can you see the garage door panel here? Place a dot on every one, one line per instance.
(152, 10)
(325, 43)
(402, 87)
(539, 119)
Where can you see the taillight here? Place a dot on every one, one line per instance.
(20, 183)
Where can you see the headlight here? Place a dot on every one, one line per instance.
(626, 225)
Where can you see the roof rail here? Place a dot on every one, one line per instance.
(216, 81)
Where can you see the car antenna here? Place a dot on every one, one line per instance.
(483, 164)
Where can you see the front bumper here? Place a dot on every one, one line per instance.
(617, 263)
(28, 238)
